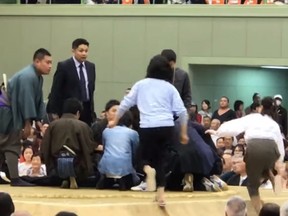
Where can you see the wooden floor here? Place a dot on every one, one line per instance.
(45, 201)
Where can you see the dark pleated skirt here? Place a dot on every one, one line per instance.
(197, 157)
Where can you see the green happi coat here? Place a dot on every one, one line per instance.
(23, 100)
(26, 96)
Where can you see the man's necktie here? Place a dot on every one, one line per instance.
(83, 83)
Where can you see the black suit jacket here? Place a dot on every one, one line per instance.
(235, 180)
(182, 84)
(66, 84)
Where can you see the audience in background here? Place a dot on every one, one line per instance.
(23, 167)
(215, 124)
(205, 109)
(236, 206)
(239, 168)
(239, 150)
(239, 108)
(220, 143)
(281, 114)
(206, 122)
(224, 113)
(255, 104)
(6, 204)
(65, 213)
(270, 209)
(37, 169)
(228, 141)
(193, 111)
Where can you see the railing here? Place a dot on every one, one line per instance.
(93, 2)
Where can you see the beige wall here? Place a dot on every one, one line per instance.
(122, 39)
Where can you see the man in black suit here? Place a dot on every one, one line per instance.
(74, 78)
(240, 176)
(181, 79)
(281, 114)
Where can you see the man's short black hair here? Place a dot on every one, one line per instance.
(268, 107)
(36, 154)
(255, 95)
(270, 209)
(254, 105)
(110, 104)
(225, 98)
(40, 54)
(159, 68)
(64, 213)
(79, 41)
(169, 54)
(207, 117)
(72, 106)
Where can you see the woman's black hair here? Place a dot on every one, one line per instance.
(206, 102)
(241, 147)
(237, 104)
(269, 107)
(126, 119)
(27, 147)
(159, 68)
(110, 104)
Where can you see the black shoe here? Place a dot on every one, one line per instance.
(65, 184)
(18, 182)
(125, 183)
(101, 182)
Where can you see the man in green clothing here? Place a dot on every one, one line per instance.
(21, 104)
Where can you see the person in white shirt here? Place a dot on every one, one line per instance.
(265, 148)
(215, 124)
(158, 102)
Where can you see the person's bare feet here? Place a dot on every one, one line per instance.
(150, 178)
(160, 198)
(278, 184)
(73, 183)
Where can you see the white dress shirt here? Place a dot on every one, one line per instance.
(77, 64)
(242, 179)
(255, 126)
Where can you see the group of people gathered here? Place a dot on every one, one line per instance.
(154, 138)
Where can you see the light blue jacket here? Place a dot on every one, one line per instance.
(120, 144)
